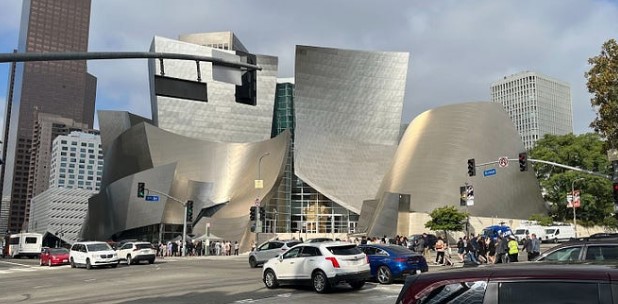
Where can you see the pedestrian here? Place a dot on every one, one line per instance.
(440, 247)
(502, 249)
(236, 247)
(252, 245)
(536, 246)
(528, 247)
(513, 249)
(491, 251)
(482, 253)
(460, 249)
(420, 246)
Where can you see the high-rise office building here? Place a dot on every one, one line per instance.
(76, 161)
(537, 105)
(56, 87)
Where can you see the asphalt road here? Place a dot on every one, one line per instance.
(170, 280)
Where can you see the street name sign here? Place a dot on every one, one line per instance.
(489, 172)
(152, 198)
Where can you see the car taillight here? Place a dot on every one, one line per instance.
(400, 259)
(334, 261)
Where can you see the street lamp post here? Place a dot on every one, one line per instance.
(573, 204)
(261, 185)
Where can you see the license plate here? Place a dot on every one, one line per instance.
(64, 261)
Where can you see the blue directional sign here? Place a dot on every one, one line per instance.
(489, 172)
(152, 198)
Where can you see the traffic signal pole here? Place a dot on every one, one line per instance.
(553, 164)
(184, 220)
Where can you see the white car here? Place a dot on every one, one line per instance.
(91, 254)
(320, 264)
(134, 252)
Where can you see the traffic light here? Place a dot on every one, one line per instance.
(523, 161)
(616, 193)
(189, 211)
(141, 189)
(262, 214)
(252, 213)
(471, 167)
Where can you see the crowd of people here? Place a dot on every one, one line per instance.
(504, 249)
(197, 248)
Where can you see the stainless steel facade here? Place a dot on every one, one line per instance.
(216, 176)
(348, 115)
(221, 118)
(431, 164)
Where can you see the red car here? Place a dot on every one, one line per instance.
(517, 283)
(54, 256)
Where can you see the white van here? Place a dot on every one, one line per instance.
(559, 233)
(522, 231)
(25, 244)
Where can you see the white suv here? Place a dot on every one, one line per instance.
(320, 264)
(134, 252)
(92, 254)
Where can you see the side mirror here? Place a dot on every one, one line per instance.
(280, 257)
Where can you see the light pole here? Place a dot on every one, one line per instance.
(573, 204)
(259, 184)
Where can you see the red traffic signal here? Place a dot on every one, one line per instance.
(616, 193)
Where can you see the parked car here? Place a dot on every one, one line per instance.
(559, 233)
(320, 264)
(269, 250)
(135, 252)
(91, 254)
(516, 283)
(494, 231)
(390, 262)
(596, 248)
(54, 256)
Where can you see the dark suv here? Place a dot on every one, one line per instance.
(598, 248)
(514, 284)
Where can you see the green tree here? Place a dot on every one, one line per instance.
(584, 151)
(542, 219)
(446, 219)
(603, 85)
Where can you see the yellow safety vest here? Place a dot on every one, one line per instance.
(513, 247)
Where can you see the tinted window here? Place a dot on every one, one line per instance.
(400, 250)
(264, 246)
(601, 253)
(292, 253)
(275, 245)
(14, 241)
(310, 251)
(30, 240)
(98, 247)
(464, 292)
(370, 250)
(548, 292)
(126, 246)
(564, 254)
(344, 250)
(58, 251)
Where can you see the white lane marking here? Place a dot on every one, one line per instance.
(18, 264)
(245, 301)
(90, 280)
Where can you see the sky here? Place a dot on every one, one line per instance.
(457, 48)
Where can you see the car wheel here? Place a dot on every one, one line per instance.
(320, 282)
(49, 263)
(151, 261)
(357, 285)
(270, 279)
(88, 265)
(129, 260)
(252, 262)
(555, 241)
(384, 275)
(41, 263)
(72, 263)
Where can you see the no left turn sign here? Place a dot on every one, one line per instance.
(503, 161)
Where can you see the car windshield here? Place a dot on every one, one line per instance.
(98, 247)
(344, 250)
(520, 231)
(58, 251)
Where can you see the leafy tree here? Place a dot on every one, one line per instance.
(603, 85)
(446, 219)
(584, 151)
(542, 219)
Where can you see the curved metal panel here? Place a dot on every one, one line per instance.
(431, 162)
(348, 115)
(221, 118)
